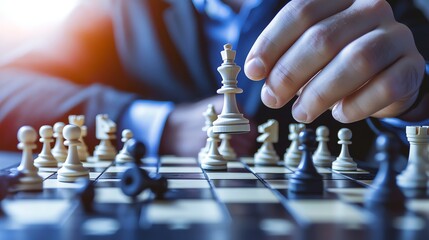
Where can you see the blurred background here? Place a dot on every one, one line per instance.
(25, 21)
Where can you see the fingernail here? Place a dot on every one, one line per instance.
(268, 97)
(299, 114)
(255, 69)
(337, 113)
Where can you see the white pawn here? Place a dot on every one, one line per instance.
(213, 160)
(72, 168)
(45, 158)
(124, 156)
(225, 148)
(82, 149)
(31, 180)
(292, 156)
(344, 162)
(266, 154)
(59, 151)
(322, 156)
(210, 116)
(414, 176)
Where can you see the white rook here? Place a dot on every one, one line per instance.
(414, 175)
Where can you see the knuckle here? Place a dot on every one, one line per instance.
(322, 40)
(380, 8)
(304, 10)
(366, 58)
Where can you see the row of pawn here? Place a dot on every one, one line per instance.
(69, 160)
(322, 157)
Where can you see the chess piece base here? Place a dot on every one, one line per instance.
(305, 186)
(344, 164)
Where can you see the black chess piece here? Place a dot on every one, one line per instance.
(86, 194)
(159, 185)
(384, 193)
(7, 181)
(136, 149)
(306, 179)
(135, 180)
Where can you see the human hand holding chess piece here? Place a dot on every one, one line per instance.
(183, 136)
(350, 55)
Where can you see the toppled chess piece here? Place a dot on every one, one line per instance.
(137, 150)
(384, 193)
(306, 179)
(135, 180)
(86, 194)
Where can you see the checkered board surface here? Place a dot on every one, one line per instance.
(243, 202)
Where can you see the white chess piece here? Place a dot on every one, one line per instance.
(30, 180)
(266, 154)
(414, 176)
(344, 162)
(225, 148)
(72, 168)
(59, 151)
(322, 156)
(210, 116)
(105, 132)
(213, 160)
(292, 157)
(123, 155)
(45, 158)
(230, 120)
(82, 149)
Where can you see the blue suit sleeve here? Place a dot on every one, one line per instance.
(146, 119)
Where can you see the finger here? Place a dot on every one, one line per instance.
(399, 84)
(316, 47)
(284, 29)
(360, 61)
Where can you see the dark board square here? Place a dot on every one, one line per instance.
(225, 183)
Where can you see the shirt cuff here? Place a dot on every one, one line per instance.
(146, 119)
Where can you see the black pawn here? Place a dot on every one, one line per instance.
(384, 193)
(306, 179)
(86, 194)
(134, 180)
(159, 185)
(136, 149)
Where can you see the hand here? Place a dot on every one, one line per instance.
(183, 135)
(350, 55)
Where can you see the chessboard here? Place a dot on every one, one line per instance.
(246, 201)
